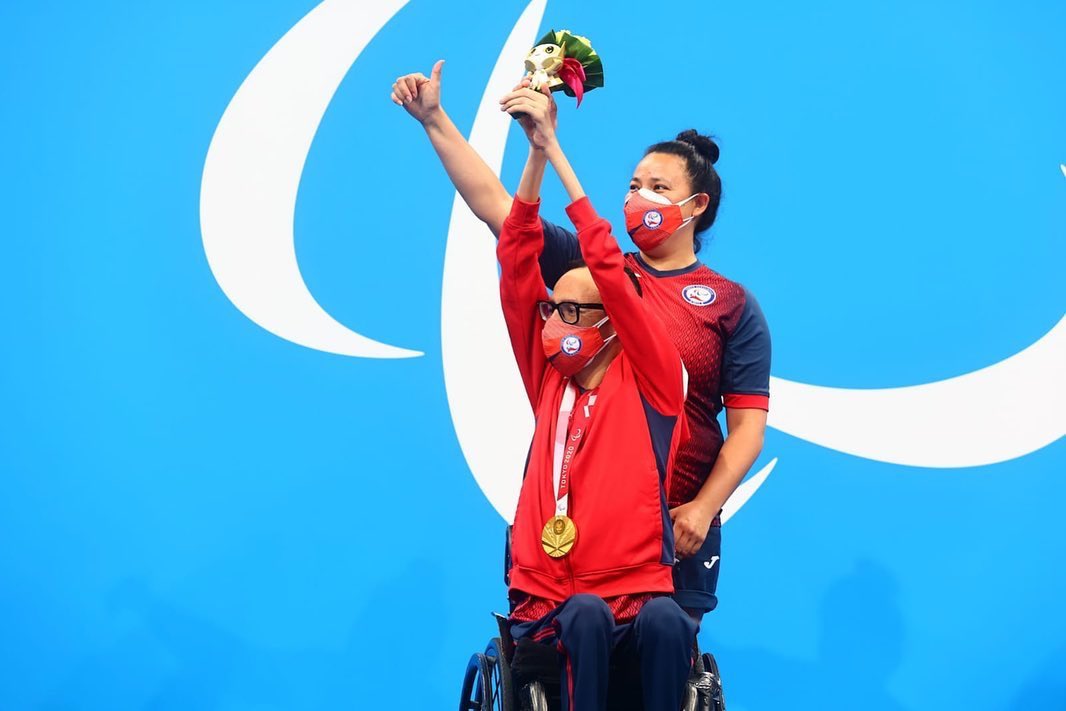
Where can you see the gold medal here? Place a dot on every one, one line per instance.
(558, 536)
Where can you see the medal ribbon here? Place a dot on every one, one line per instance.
(569, 431)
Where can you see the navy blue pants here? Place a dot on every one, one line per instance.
(696, 577)
(584, 631)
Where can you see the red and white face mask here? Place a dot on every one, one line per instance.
(652, 218)
(569, 347)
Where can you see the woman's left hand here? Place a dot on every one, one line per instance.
(537, 113)
(691, 524)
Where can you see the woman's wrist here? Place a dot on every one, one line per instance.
(434, 119)
(708, 503)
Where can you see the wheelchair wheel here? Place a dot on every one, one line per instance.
(498, 675)
(473, 695)
(691, 702)
(483, 684)
(717, 694)
(534, 697)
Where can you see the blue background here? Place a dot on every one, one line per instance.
(197, 514)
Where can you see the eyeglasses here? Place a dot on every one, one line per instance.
(569, 311)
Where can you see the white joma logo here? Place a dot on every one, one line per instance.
(708, 564)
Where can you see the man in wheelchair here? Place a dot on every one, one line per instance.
(592, 542)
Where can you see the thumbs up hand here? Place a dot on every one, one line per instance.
(419, 94)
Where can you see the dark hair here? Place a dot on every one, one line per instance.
(700, 153)
(580, 263)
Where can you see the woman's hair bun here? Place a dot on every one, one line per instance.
(699, 154)
(704, 145)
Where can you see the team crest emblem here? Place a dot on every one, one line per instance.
(699, 295)
(652, 219)
(571, 345)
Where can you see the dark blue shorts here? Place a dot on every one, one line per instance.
(696, 577)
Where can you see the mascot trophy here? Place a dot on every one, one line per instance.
(564, 61)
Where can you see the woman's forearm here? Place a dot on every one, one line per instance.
(565, 172)
(478, 185)
(739, 451)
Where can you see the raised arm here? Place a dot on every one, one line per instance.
(644, 338)
(519, 247)
(478, 185)
(475, 181)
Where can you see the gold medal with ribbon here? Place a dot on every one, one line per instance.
(560, 532)
(558, 536)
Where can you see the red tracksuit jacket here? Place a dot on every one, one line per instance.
(625, 539)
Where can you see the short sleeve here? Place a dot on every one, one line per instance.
(746, 363)
(561, 249)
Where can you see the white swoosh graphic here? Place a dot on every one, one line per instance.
(248, 197)
(1001, 412)
(489, 407)
(746, 490)
(253, 168)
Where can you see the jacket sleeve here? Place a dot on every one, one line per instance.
(644, 338)
(518, 249)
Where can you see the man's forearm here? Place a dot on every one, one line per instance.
(478, 185)
(565, 171)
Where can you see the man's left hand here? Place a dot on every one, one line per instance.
(691, 523)
(537, 113)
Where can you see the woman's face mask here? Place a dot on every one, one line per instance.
(652, 218)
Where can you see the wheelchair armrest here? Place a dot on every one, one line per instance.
(507, 558)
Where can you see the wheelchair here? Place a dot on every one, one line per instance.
(506, 677)
(525, 677)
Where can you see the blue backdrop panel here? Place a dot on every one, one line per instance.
(197, 514)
